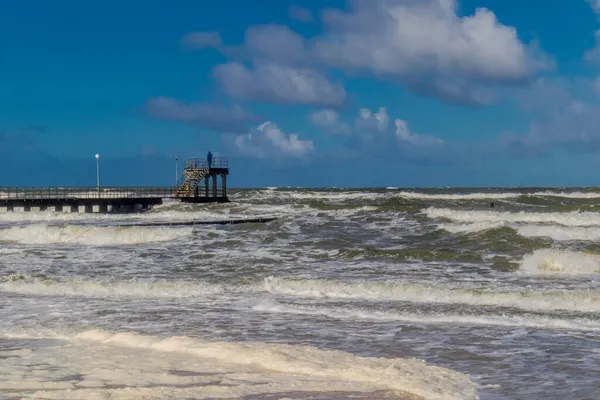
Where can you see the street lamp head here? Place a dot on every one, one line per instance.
(97, 156)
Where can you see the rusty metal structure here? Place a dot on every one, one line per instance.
(195, 185)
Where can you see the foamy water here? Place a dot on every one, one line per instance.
(90, 235)
(391, 293)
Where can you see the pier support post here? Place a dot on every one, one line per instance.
(206, 185)
(99, 208)
(224, 183)
(214, 185)
(58, 208)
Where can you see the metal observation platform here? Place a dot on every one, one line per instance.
(199, 184)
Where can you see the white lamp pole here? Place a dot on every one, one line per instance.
(98, 171)
(176, 170)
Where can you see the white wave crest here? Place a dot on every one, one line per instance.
(79, 287)
(555, 262)
(569, 195)
(457, 196)
(384, 291)
(90, 235)
(529, 321)
(197, 368)
(556, 232)
(565, 219)
(560, 233)
(471, 228)
(409, 375)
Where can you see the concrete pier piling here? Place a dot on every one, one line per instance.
(197, 173)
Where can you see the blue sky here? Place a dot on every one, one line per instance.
(302, 93)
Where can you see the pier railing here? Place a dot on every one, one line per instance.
(92, 192)
(47, 193)
(218, 162)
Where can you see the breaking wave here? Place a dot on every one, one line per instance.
(90, 235)
(529, 321)
(556, 262)
(80, 287)
(407, 375)
(584, 301)
(483, 217)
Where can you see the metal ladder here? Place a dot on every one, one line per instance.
(193, 177)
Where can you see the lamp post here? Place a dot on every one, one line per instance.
(98, 172)
(176, 170)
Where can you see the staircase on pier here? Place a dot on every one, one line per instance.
(192, 179)
(198, 172)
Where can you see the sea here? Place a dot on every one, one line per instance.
(454, 294)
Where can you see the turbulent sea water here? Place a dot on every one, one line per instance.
(350, 294)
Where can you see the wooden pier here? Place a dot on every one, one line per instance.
(199, 184)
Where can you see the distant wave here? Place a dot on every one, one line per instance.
(574, 218)
(530, 300)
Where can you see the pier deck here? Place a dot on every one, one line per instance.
(123, 199)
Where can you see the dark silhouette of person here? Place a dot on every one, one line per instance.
(209, 158)
(492, 204)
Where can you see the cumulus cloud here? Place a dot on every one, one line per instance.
(213, 116)
(272, 43)
(423, 44)
(374, 131)
(403, 134)
(268, 141)
(426, 45)
(200, 40)
(593, 55)
(566, 116)
(301, 14)
(278, 83)
(372, 121)
(595, 5)
(329, 120)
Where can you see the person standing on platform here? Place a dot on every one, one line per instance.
(209, 158)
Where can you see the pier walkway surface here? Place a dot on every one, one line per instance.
(197, 171)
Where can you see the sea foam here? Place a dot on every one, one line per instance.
(101, 360)
(90, 235)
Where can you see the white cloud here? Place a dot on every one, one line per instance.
(301, 14)
(329, 120)
(279, 83)
(404, 134)
(374, 129)
(372, 121)
(595, 5)
(214, 116)
(268, 141)
(566, 115)
(426, 45)
(200, 40)
(275, 43)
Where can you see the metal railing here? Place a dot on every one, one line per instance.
(86, 192)
(48, 193)
(218, 162)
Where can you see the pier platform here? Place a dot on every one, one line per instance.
(199, 184)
